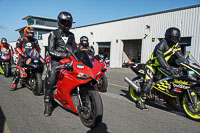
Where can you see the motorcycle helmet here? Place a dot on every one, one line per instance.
(29, 32)
(84, 41)
(65, 21)
(172, 35)
(3, 41)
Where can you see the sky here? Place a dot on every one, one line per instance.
(84, 12)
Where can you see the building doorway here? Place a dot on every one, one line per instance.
(132, 50)
(104, 49)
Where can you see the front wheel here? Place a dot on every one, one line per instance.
(102, 83)
(92, 113)
(6, 70)
(37, 84)
(189, 110)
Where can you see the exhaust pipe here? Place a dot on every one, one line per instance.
(135, 87)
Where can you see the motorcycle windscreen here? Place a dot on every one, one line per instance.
(189, 60)
(84, 58)
(33, 54)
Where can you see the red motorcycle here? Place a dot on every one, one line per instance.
(101, 78)
(75, 88)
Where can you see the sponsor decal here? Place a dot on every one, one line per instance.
(28, 61)
(65, 39)
(181, 82)
(180, 86)
(80, 66)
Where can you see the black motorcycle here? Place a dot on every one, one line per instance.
(182, 91)
(31, 73)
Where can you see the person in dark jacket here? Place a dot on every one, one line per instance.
(84, 44)
(167, 48)
(57, 42)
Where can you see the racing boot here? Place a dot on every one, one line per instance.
(141, 105)
(48, 106)
(14, 87)
(15, 80)
(48, 102)
(145, 89)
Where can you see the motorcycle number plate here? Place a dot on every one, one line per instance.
(35, 60)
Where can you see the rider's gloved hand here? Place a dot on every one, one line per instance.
(173, 72)
(24, 55)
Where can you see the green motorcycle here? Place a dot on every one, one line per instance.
(182, 91)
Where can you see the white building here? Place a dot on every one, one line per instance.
(137, 36)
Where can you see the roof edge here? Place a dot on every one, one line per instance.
(148, 14)
(30, 16)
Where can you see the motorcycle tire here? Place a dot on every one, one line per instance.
(103, 83)
(188, 110)
(6, 70)
(38, 81)
(132, 93)
(91, 117)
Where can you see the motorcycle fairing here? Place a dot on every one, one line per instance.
(66, 85)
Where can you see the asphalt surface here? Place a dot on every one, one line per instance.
(22, 112)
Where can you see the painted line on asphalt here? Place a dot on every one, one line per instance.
(6, 129)
(118, 85)
(115, 96)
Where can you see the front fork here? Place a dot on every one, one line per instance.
(193, 98)
(80, 107)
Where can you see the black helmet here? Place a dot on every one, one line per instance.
(84, 41)
(173, 35)
(4, 41)
(65, 21)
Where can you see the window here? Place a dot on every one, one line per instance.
(40, 22)
(30, 21)
(39, 36)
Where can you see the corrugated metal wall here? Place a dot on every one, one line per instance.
(187, 20)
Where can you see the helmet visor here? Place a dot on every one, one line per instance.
(65, 23)
(174, 39)
(4, 41)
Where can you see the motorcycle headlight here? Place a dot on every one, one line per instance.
(191, 75)
(83, 76)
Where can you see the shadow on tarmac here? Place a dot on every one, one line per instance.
(2, 120)
(167, 108)
(102, 128)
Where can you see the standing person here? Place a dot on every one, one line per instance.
(4, 44)
(167, 48)
(24, 45)
(57, 42)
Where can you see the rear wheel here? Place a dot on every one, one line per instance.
(135, 97)
(103, 83)
(37, 84)
(92, 113)
(189, 110)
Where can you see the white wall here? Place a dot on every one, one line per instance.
(187, 20)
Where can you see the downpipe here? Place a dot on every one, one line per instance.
(135, 87)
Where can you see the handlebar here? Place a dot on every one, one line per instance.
(66, 65)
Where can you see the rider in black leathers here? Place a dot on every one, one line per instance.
(84, 44)
(167, 48)
(57, 43)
